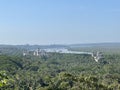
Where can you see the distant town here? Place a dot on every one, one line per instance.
(43, 52)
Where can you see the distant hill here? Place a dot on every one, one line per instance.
(27, 46)
(96, 45)
(18, 49)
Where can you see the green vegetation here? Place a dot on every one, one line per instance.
(59, 72)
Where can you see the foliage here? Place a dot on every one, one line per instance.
(59, 72)
(5, 80)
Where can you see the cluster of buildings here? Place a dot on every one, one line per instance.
(43, 52)
(36, 52)
(97, 56)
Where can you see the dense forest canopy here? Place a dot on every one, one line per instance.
(59, 71)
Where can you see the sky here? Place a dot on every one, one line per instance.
(59, 21)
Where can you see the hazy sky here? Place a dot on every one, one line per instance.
(59, 21)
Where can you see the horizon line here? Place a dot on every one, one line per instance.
(64, 43)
